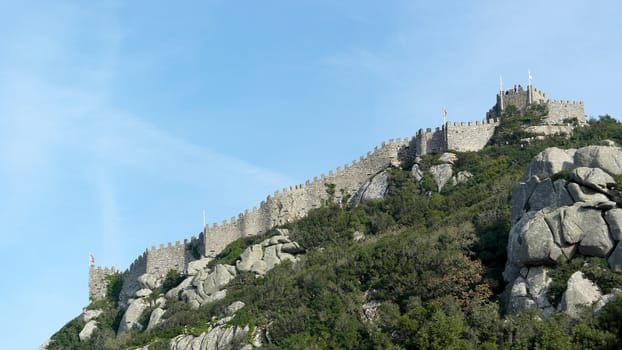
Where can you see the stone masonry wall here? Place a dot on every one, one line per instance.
(560, 110)
(130, 276)
(97, 281)
(296, 201)
(467, 137)
(429, 141)
(158, 261)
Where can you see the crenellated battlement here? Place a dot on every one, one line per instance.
(97, 281)
(294, 202)
(521, 99)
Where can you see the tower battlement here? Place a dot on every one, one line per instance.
(521, 98)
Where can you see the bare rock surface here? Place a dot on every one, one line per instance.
(607, 158)
(87, 331)
(555, 218)
(580, 292)
(130, 318)
(219, 338)
(441, 174)
(550, 161)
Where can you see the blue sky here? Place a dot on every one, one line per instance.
(121, 121)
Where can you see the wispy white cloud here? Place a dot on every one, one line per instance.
(63, 135)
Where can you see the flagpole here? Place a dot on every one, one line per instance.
(501, 92)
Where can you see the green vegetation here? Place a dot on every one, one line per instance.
(194, 249)
(595, 269)
(114, 283)
(512, 123)
(171, 280)
(431, 261)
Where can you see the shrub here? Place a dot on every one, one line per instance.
(114, 284)
(172, 280)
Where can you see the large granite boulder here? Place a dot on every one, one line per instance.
(615, 259)
(91, 315)
(550, 161)
(250, 256)
(607, 158)
(132, 315)
(215, 280)
(530, 243)
(441, 174)
(416, 172)
(221, 337)
(156, 317)
(448, 158)
(554, 217)
(594, 178)
(87, 331)
(613, 218)
(580, 293)
(375, 188)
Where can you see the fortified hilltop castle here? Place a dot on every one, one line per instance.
(295, 202)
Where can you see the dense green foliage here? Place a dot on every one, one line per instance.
(114, 283)
(171, 280)
(431, 262)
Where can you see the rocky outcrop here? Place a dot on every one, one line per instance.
(375, 188)
(132, 315)
(529, 290)
(563, 205)
(580, 293)
(442, 173)
(87, 331)
(221, 337)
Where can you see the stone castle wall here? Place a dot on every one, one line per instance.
(560, 110)
(97, 281)
(156, 261)
(467, 137)
(429, 141)
(295, 202)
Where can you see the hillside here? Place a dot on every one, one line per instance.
(414, 266)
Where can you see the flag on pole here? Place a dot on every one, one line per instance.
(444, 115)
(91, 259)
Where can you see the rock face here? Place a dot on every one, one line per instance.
(206, 286)
(580, 292)
(441, 173)
(218, 338)
(130, 318)
(88, 330)
(376, 188)
(554, 218)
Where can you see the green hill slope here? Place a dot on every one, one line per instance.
(417, 270)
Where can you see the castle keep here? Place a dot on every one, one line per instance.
(296, 201)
